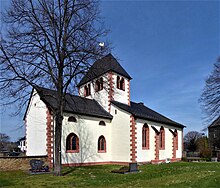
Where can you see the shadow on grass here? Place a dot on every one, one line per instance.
(68, 170)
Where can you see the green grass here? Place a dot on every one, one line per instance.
(163, 175)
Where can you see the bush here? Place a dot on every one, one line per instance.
(206, 153)
(184, 159)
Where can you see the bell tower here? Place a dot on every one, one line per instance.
(106, 81)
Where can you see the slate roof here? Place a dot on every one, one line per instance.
(101, 66)
(73, 104)
(215, 123)
(143, 112)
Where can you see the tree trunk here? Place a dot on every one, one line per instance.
(58, 129)
(57, 148)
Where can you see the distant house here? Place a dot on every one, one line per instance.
(22, 144)
(101, 125)
(214, 135)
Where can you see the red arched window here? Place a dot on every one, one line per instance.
(118, 82)
(101, 144)
(72, 143)
(176, 138)
(162, 138)
(145, 137)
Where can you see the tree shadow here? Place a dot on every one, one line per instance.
(87, 148)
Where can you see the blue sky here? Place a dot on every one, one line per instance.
(168, 48)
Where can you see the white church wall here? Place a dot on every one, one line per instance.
(36, 127)
(88, 131)
(148, 155)
(145, 155)
(167, 152)
(120, 135)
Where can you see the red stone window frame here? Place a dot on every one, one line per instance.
(101, 144)
(145, 137)
(72, 143)
(162, 138)
(176, 138)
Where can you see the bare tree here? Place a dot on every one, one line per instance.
(191, 140)
(210, 98)
(48, 43)
(4, 139)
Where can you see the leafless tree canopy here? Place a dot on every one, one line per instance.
(48, 43)
(191, 141)
(210, 98)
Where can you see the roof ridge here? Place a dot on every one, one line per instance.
(156, 112)
(146, 113)
(73, 103)
(101, 66)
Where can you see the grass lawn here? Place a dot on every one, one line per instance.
(180, 174)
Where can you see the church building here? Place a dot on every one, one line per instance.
(102, 125)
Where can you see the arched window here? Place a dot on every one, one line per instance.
(97, 85)
(87, 90)
(176, 138)
(145, 137)
(101, 84)
(101, 144)
(72, 119)
(122, 84)
(72, 143)
(162, 138)
(118, 82)
(102, 123)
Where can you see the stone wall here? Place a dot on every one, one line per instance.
(19, 163)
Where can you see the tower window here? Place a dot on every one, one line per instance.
(87, 90)
(120, 83)
(99, 84)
